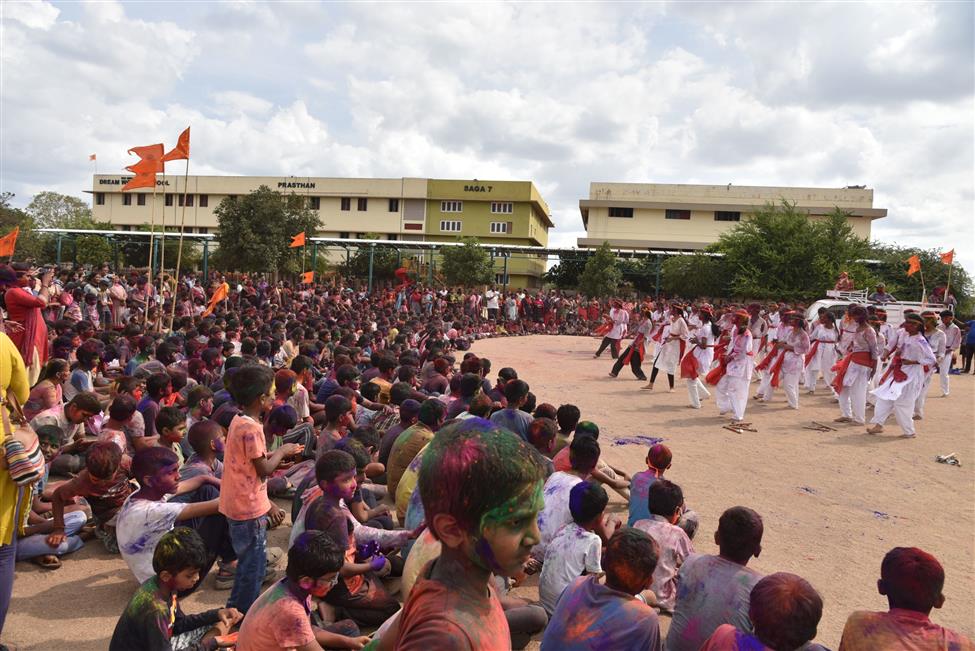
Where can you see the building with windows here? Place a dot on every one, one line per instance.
(675, 217)
(406, 209)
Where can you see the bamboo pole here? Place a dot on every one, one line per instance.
(179, 253)
(152, 230)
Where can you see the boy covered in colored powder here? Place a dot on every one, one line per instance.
(666, 501)
(785, 611)
(481, 489)
(153, 620)
(912, 581)
(714, 590)
(658, 461)
(575, 550)
(280, 619)
(592, 615)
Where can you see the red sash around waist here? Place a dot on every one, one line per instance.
(863, 358)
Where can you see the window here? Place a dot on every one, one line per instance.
(362, 204)
(500, 279)
(393, 237)
(620, 212)
(677, 214)
(500, 227)
(346, 203)
(169, 199)
(451, 226)
(344, 236)
(452, 206)
(204, 200)
(394, 205)
(726, 216)
(189, 200)
(502, 207)
(99, 198)
(126, 199)
(314, 203)
(140, 199)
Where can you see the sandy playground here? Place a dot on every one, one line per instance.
(833, 502)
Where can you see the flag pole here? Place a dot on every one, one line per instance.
(152, 230)
(162, 257)
(923, 293)
(179, 253)
(948, 286)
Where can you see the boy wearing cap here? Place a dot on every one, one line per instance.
(901, 384)
(952, 344)
(936, 340)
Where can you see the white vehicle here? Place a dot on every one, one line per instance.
(837, 302)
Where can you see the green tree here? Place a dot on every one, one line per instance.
(30, 245)
(565, 274)
(466, 265)
(384, 262)
(695, 275)
(54, 210)
(601, 277)
(256, 229)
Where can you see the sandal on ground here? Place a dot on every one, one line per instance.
(47, 562)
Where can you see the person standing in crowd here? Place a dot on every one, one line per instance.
(822, 352)
(619, 318)
(24, 307)
(854, 370)
(903, 380)
(952, 343)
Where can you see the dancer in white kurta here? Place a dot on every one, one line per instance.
(619, 318)
(952, 344)
(774, 354)
(759, 327)
(635, 353)
(936, 339)
(733, 374)
(795, 345)
(822, 352)
(697, 361)
(673, 340)
(854, 370)
(899, 387)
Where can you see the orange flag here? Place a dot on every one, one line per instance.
(182, 149)
(140, 180)
(218, 296)
(92, 157)
(308, 277)
(9, 241)
(151, 155)
(915, 263)
(297, 240)
(948, 258)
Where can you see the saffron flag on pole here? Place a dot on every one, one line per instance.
(308, 277)
(182, 149)
(218, 296)
(915, 265)
(92, 157)
(151, 155)
(297, 240)
(145, 175)
(948, 258)
(9, 242)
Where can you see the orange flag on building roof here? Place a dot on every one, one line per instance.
(218, 296)
(297, 240)
(140, 180)
(152, 155)
(915, 265)
(9, 242)
(308, 277)
(182, 149)
(948, 258)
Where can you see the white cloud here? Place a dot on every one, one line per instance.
(564, 94)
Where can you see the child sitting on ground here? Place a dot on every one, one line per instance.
(785, 611)
(280, 619)
(714, 590)
(575, 550)
(541, 435)
(613, 478)
(104, 484)
(206, 440)
(154, 620)
(666, 502)
(171, 427)
(481, 489)
(658, 461)
(567, 417)
(912, 581)
(591, 615)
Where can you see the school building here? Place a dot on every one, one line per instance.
(678, 217)
(403, 209)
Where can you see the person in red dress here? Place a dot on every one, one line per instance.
(24, 308)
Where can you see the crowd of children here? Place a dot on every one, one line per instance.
(422, 489)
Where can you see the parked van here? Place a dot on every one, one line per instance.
(837, 302)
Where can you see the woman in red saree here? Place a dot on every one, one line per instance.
(24, 308)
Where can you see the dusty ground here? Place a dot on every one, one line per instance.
(833, 502)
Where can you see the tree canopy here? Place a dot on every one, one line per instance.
(384, 261)
(468, 264)
(256, 229)
(600, 277)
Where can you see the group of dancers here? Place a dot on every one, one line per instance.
(862, 359)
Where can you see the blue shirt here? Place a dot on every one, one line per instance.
(515, 420)
(970, 337)
(639, 496)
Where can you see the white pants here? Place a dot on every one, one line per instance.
(790, 385)
(765, 388)
(922, 395)
(945, 369)
(695, 390)
(822, 363)
(903, 409)
(732, 395)
(853, 397)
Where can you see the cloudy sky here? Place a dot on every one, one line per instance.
(812, 94)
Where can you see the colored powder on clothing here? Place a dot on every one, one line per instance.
(638, 439)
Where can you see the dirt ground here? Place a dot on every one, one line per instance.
(833, 502)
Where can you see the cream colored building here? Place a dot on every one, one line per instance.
(690, 217)
(406, 209)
